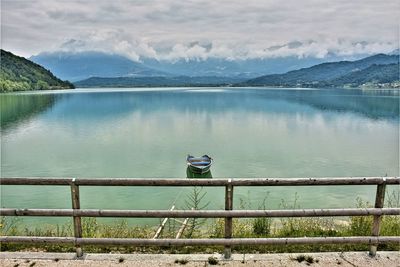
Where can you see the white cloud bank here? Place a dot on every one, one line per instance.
(172, 30)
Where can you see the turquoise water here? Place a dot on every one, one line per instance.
(148, 133)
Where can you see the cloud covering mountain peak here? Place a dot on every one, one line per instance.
(197, 30)
(139, 48)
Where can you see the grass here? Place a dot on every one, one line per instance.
(242, 228)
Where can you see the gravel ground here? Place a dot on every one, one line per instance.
(22, 259)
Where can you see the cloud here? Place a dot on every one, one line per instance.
(172, 30)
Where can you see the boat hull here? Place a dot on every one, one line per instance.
(195, 169)
(193, 175)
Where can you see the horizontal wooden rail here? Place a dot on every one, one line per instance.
(201, 182)
(76, 213)
(200, 213)
(199, 242)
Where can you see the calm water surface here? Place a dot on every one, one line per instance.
(148, 133)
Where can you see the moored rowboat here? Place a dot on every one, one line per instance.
(199, 164)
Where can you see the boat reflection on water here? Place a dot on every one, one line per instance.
(191, 174)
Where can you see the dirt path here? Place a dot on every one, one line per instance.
(337, 259)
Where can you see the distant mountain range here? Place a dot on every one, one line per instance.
(158, 81)
(83, 65)
(96, 69)
(371, 69)
(80, 66)
(241, 68)
(375, 71)
(18, 74)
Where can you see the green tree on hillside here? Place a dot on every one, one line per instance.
(20, 74)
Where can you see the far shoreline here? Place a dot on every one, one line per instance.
(120, 88)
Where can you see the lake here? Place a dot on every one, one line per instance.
(249, 132)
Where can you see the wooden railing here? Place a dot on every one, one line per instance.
(76, 213)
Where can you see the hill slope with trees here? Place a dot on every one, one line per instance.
(379, 68)
(20, 74)
(374, 74)
(157, 81)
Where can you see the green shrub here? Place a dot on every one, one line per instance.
(213, 261)
(262, 225)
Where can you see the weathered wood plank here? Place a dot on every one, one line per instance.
(202, 182)
(228, 220)
(200, 242)
(162, 225)
(379, 202)
(35, 181)
(200, 213)
(182, 228)
(76, 218)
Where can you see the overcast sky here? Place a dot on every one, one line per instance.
(199, 29)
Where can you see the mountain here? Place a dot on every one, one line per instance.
(370, 71)
(244, 68)
(395, 52)
(323, 74)
(374, 74)
(19, 74)
(157, 81)
(79, 66)
(83, 65)
(89, 69)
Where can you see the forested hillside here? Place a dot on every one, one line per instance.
(375, 74)
(375, 69)
(20, 74)
(157, 81)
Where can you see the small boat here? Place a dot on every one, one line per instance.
(192, 175)
(199, 165)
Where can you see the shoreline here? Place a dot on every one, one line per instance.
(168, 88)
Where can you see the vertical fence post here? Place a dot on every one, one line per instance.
(77, 220)
(228, 220)
(379, 200)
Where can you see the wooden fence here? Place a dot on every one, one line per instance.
(76, 212)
